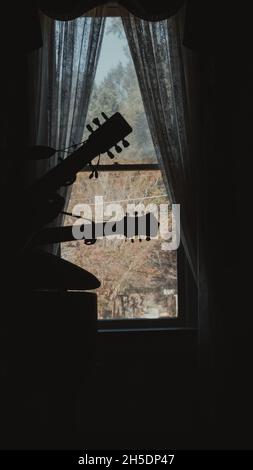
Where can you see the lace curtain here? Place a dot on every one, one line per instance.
(63, 72)
(157, 55)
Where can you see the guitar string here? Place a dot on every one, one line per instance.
(70, 146)
(70, 214)
(130, 199)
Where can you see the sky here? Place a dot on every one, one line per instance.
(111, 54)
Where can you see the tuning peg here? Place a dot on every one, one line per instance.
(125, 143)
(96, 122)
(110, 154)
(118, 148)
(105, 116)
(89, 128)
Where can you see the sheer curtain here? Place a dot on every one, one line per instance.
(157, 55)
(63, 72)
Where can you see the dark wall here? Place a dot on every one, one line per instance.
(223, 44)
(64, 386)
(144, 393)
(47, 351)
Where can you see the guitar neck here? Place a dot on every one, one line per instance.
(113, 130)
(128, 227)
(61, 234)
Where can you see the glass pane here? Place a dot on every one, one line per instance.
(116, 89)
(138, 280)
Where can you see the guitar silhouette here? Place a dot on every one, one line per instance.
(129, 227)
(106, 136)
(41, 201)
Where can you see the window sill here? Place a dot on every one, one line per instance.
(136, 325)
(143, 329)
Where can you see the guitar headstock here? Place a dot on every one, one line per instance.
(143, 227)
(109, 135)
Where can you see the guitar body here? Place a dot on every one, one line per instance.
(45, 271)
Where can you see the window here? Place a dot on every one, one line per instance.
(138, 280)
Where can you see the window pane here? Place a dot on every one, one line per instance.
(138, 280)
(116, 89)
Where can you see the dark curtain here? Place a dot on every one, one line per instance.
(219, 35)
(151, 11)
(207, 23)
(24, 31)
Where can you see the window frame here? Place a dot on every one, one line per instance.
(186, 288)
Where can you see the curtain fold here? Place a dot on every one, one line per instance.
(151, 11)
(63, 72)
(157, 55)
